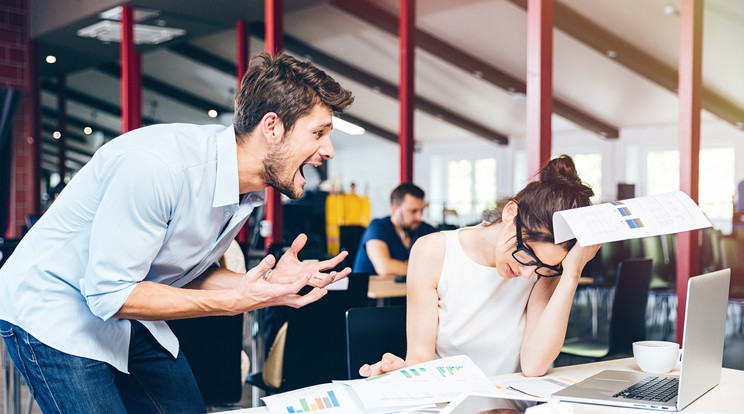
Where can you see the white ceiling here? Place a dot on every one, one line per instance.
(492, 30)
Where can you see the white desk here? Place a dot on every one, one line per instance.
(727, 397)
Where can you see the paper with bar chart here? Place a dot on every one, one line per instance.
(325, 398)
(435, 381)
(629, 219)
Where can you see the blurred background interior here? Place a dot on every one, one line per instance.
(616, 112)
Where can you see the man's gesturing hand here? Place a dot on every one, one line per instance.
(290, 267)
(254, 292)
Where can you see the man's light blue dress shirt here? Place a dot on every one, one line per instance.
(159, 204)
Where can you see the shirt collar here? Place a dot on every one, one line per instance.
(227, 187)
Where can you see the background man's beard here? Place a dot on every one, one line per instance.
(409, 230)
(272, 174)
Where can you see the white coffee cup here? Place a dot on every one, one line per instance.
(656, 357)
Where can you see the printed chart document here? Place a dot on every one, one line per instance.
(423, 385)
(329, 398)
(629, 219)
(440, 380)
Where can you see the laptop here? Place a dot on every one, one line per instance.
(702, 356)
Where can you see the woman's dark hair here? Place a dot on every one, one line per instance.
(286, 86)
(559, 188)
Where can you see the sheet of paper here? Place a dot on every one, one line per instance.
(440, 380)
(540, 388)
(328, 398)
(629, 219)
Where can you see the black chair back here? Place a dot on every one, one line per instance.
(315, 351)
(371, 332)
(212, 345)
(628, 320)
(349, 238)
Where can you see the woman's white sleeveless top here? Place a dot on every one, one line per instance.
(481, 314)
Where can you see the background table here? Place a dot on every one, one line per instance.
(385, 287)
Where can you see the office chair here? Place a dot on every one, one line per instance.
(314, 350)
(371, 332)
(628, 319)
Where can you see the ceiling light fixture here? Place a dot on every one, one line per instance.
(110, 31)
(139, 14)
(348, 127)
(87, 130)
(212, 113)
(670, 10)
(56, 135)
(51, 59)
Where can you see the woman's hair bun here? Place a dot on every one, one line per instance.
(561, 171)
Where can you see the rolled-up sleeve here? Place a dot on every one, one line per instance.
(138, 194)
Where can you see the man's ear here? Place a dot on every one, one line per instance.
(272, 128)
(510, 211)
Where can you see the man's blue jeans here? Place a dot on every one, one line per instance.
(63, 383)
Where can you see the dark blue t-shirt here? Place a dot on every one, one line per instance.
(383, 229)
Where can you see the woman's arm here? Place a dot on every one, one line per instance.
(422, 318)
(547, 313)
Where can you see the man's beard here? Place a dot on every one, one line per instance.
(274, 174)
(410, 231)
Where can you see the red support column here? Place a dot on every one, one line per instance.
(406, 98)
(539, 84)
(131, 83)
(242, 41)
(690, 89)
(273, 19)
(62, 126)
(33, 120)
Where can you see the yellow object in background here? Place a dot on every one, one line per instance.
(334, 217)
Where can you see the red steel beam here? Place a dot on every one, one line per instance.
(273, 18)
(406, 97)
(62, 126)
(539, 84)
(131, 89)
(33, 119)
(690, 88)
(242, 42)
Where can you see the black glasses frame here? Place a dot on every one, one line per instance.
(558, 269)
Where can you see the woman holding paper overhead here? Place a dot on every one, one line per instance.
(499, 292)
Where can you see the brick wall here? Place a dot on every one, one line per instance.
(15, 69)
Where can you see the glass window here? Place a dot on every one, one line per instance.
(716, 187)
(485, 184)
(459, 185)
(471, 187)
(662, 172)
(589, 167)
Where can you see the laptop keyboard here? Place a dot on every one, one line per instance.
(658, 389)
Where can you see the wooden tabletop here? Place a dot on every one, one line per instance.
(382, 287)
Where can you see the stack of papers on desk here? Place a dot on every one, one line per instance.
(421, 385)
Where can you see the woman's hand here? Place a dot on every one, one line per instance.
(290, 267)
(577, 258)
(389, 362)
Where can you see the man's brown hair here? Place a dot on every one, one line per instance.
(286, 86)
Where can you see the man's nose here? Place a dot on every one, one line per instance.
(326, 149)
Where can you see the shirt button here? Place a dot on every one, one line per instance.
(227, 214)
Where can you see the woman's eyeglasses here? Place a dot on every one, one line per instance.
(525, 256)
